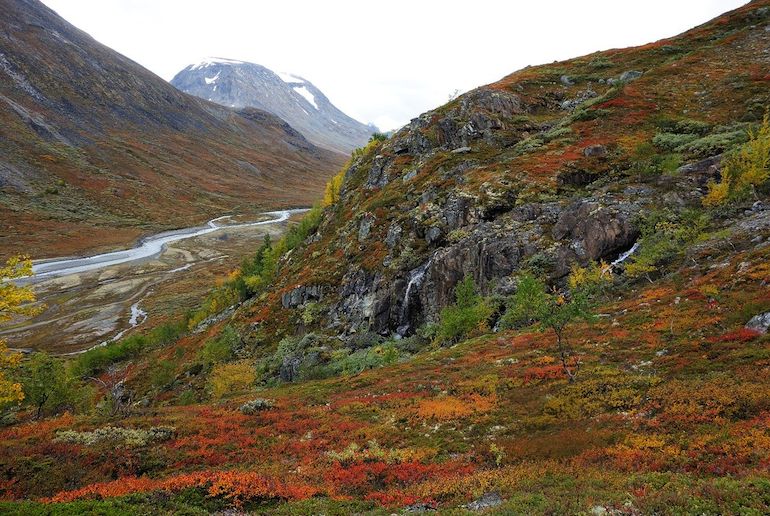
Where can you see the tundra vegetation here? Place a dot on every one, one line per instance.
(619, 365)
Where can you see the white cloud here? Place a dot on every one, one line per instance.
(381, 61)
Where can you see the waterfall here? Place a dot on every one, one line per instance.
(416, 278)
(623, 257)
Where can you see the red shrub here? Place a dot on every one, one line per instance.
(739, 335)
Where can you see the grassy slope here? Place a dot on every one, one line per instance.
(670, 414)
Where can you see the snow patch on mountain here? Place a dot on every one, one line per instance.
(306, 94)
(209, 61)
(288, 77)
(289, 96)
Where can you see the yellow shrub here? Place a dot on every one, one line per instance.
(594, 274)
(14, 300)
(230, 378)
(717, 194)
(333, 187)
(744, 169)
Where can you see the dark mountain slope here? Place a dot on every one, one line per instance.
(294, 99)
(96, 150)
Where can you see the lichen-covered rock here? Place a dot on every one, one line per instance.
(301, 295)
(630, 75)
(365, 226)
(256, 405)
(487, 501)
(393, 236)
(759, 323)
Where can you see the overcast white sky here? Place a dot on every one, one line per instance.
(385, 61)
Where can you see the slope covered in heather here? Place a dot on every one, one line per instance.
(332, 387)
(95, 150)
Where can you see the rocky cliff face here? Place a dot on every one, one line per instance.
(552, 166)
(96, 149)
(294, 99)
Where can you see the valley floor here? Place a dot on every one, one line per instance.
(87, 307)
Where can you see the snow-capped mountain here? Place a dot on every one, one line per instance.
(296, 100)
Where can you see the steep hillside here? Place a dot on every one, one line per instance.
(96, 150)
(356, 370)
(551, 166)
(294, 99)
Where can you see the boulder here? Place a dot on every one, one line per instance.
(595, 151)
(571, 104)
(602, 230)
(256, 405)
(478, 114)
(759, 323)
(630, 75)
(487, 501)
(703, 171)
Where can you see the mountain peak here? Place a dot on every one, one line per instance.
(293, 98)
(210, 61)
(290, 77)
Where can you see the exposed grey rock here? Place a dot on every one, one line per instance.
(433, 234)
(595, 151)
(573, 103)
(290, 368)
(213, 319)
(305, 353)
(377, 177)
(487, 501)
(760, 323)
(478, 114)
(256, 405)
(456, 213)
(420, 507)
(364, 301)
(461, 150)
(702, 171)
(428, 195)
(301, 295)
(365, 226)
(603, 230)
(630, 75)
(393, 236)
(410, 140)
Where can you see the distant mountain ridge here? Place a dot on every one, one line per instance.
(296, 100)
(97, 150)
